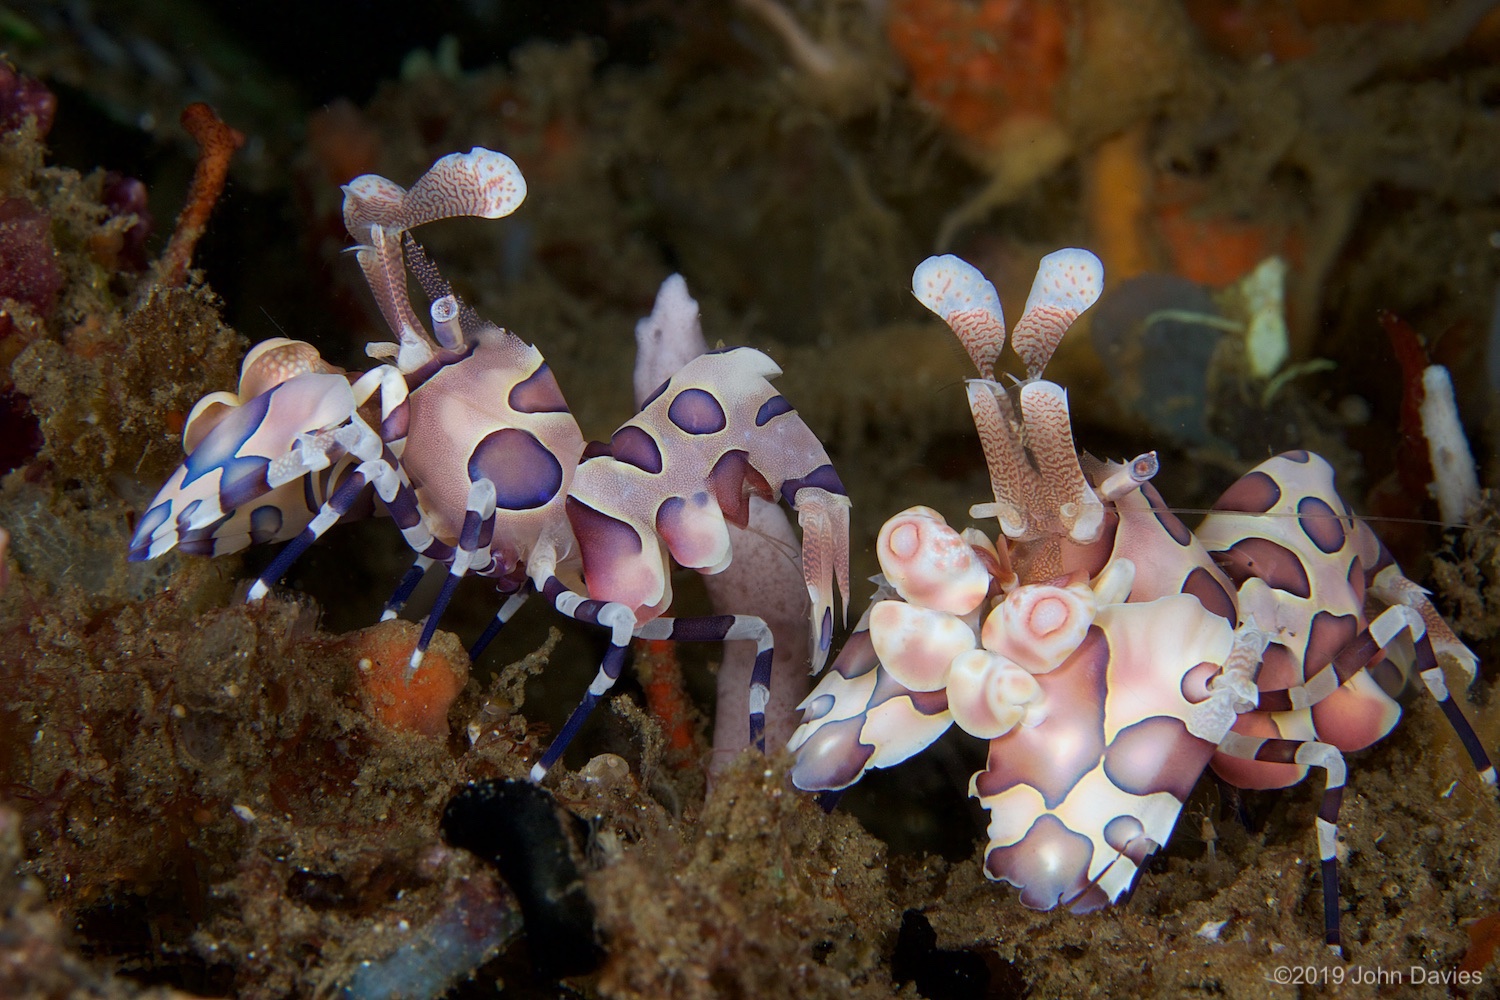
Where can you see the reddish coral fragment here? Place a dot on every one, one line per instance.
(1413, 467)
(216, 144)
(1484, 938)
(661, 677)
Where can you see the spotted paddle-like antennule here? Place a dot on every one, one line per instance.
(1108, 654)
(966, 300)
(1038, 486)
(1067, 282)
(480, 183)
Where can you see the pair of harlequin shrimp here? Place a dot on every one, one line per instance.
(465, 441)
(1107, 653)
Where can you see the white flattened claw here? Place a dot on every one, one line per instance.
(966, 300)
(989, 695)
(916, 645)
(929, 563)
(1067, 282)
(1038, 626)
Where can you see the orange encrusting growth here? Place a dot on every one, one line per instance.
(420, 705)
(1216, 249)
(1118, 187)
(984, 69)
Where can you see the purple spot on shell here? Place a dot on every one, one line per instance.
(538, 393)
(219, 446)
(1329, 634)
(857, 658)
(1201, 584)
(1279, 670)
(201, 541)
(1321, 524)
(696, 411)
(526, 475)
(604, 540)
(244, 480)
(733, 481)
(265, 522)
(1157, 755)
(1053, 756)
(833, 757)
(1299, 456)
(635, 446)
(818, 707)
(655, 394)
(887, 688)
(1357, 579)
(825, 630)
(1126, 835)
(772, 408)
(1278, 565)
(595, 449)
(1195, 682)
(1050, 865)
(1170, 522)
(823, 478)
(146, 527)
(1253, 493)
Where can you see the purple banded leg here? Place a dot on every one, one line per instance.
(506, 613)
(1308, 753)
(616, 617)
(1357, 654)
(728, 628)
(404, 589)
(473, 550)
(377, 466)
(328, 515)
(394, 412)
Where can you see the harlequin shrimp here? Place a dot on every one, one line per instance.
(1107, 653)
(463, 438)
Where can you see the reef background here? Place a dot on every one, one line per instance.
(202, 798)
